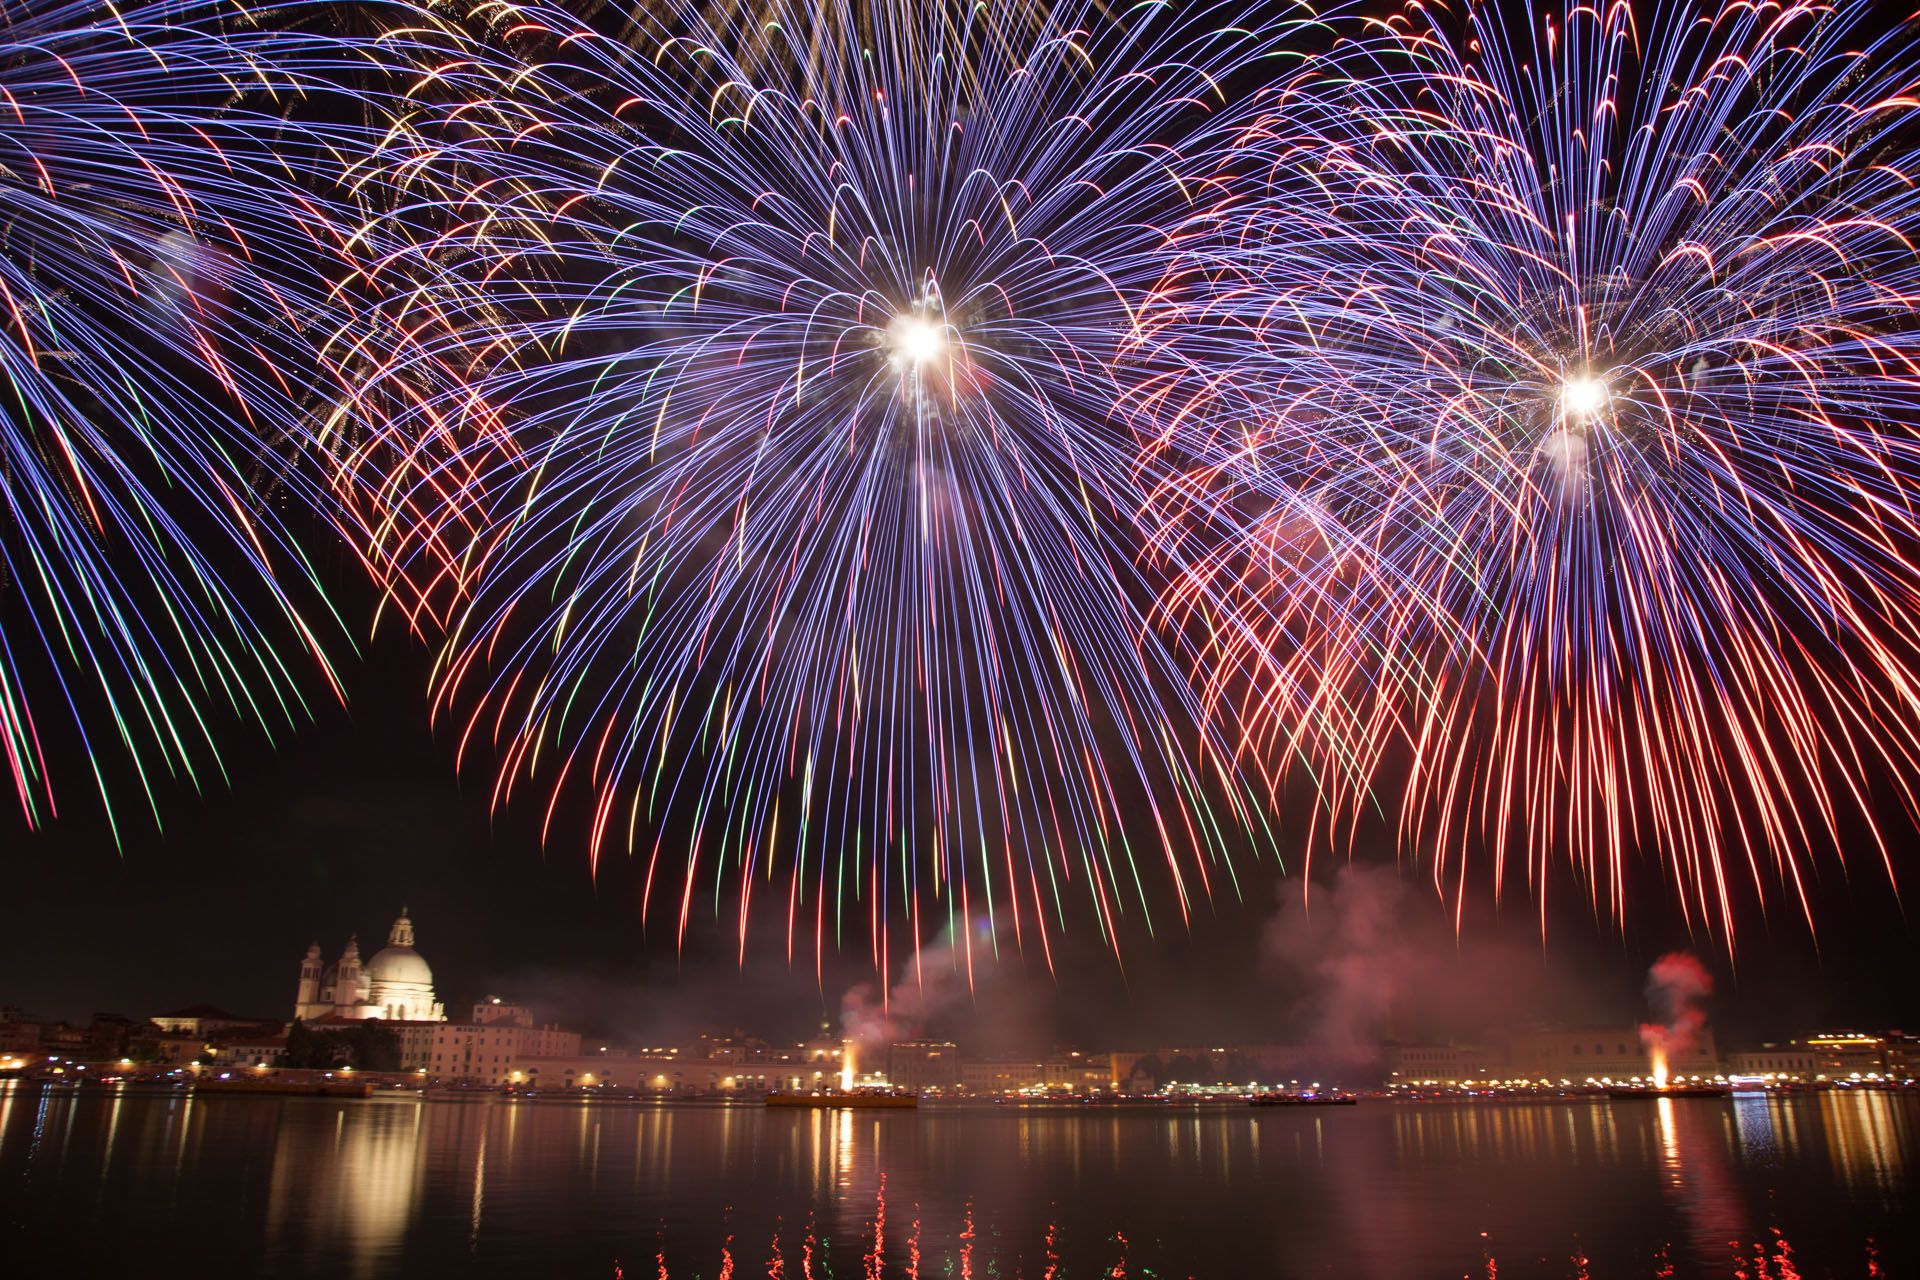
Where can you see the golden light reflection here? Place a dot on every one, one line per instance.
(1669, 1141)
(1867, 1135)
(843, 1152)
(360, 1183)
(479, 1189)
(354, 1184)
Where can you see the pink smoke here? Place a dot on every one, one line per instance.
(934, 982)
(1677, 988)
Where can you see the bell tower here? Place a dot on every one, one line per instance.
(308, 996)
(346, 980)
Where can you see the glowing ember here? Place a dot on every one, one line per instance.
(916, 341)
(1583, 397)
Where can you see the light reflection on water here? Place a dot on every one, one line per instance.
(1757, 1187)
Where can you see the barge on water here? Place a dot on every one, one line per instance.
(861, 1098)
(285, 1088)
(1630, 1094)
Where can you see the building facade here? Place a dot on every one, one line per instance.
(1855, 1055)
(1427, 1066)
(1792, 1062)
(918, 1065)
(1601, 1053)
(490, 1052)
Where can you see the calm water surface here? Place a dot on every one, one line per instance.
(95, 1183)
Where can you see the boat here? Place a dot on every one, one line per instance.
(1671, 1091)
(1303, 1100)
(284, 1088)
(875, 1098)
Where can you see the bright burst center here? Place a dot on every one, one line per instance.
(1582, 397)
(915, 340)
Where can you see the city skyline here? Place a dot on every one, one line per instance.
(564, 944)
(377, 1010)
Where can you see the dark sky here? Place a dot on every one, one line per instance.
(362, 813)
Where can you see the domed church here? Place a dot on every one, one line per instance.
(395, 984)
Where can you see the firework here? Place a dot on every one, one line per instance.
(1544, 399)
(149, 590)
(797, 531)
(773, 37)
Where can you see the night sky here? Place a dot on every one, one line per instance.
(362, 813)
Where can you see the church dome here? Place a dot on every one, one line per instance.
(397, 963)
(393, 965)
(394, 982)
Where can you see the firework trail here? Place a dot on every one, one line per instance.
(406, 440)
(1545, 399)
(794, 522)
(153, 290)
(775, 37)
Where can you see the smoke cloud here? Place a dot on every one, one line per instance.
(1677, 988)
(1372, 957)
(931, 986)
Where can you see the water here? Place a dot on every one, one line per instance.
(1750, 1187)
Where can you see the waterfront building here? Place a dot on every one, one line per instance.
(395, 984)
(206, 1021)
(1791, 1061)
(1847, 1055)
(252, 1051)
(1432, 1066)
(808, 1066)
(646, 1072)
(1066, 1072)
(915, 1065)
(1072, 1071)
(486, 1052)
(166, 1048)
(18, 1032)
(1002, 1075)
(1600, 1053)
(494, 1009)
(1902, 1055)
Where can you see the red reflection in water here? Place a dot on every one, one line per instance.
(1783, 1257)
(1698, 1180)
(1772, 1256)
(876, 1259)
